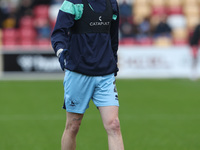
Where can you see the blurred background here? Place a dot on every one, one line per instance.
(154, 37)
(159, 105)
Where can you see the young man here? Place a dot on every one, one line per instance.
(85, 39)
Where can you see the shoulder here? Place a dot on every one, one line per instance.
(73, 7)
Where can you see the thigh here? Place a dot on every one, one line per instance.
(109, 114)
(73, 119)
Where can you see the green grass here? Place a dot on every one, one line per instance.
(154, 114)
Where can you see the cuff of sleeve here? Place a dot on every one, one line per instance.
(59, 52)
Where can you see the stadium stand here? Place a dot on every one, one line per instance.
(30, 23)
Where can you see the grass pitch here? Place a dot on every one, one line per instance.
(154, 114)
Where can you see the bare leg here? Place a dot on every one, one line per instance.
(72, 126)
(111, 123)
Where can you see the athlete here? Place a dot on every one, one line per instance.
(85, 39)
(194, 42)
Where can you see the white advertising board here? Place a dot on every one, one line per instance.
(156, 62)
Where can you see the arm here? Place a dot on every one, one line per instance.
(60, 35)
(114, 31)
(65, 20)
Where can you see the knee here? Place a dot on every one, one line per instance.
(113, 126)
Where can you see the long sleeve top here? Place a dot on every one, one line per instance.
(92, 54)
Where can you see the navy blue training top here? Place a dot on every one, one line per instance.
(93, 54)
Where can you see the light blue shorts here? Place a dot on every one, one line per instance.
(80, 89)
